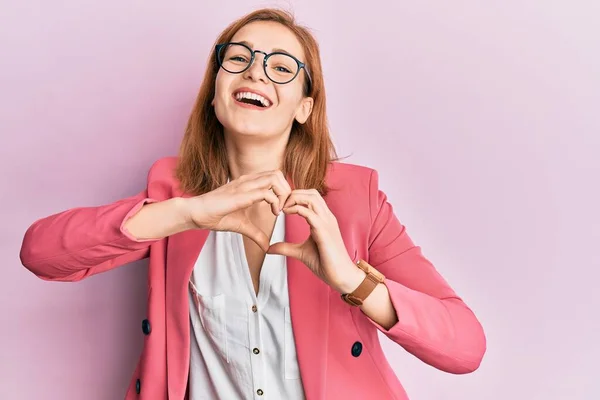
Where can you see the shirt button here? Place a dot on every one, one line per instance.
(254, 309)
(259, 392)
(256, 351)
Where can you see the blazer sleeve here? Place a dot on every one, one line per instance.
(81, 242)
(434, 324)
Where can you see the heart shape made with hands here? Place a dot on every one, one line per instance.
(226, 209)
(300, 202)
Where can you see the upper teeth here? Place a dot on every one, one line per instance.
(253, 96)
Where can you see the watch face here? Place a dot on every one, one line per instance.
(377, 274)
(369, 269)
(363, 265)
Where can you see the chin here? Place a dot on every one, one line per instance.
(249, 130)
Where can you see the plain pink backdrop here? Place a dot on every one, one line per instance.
(483, 119)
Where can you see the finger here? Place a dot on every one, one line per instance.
(255, 234)
(273, 180)
(262, 194)
(280, 186)
(307, 199)
(286, 249)
(309, 215)
(285, 187)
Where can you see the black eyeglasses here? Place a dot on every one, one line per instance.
(280, 67)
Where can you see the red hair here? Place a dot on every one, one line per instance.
(202, 164)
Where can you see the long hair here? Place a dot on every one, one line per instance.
(202, 163)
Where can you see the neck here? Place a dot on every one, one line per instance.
(249, 155)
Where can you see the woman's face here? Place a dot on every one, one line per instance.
(284, 102)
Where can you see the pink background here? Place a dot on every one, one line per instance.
(483, 119)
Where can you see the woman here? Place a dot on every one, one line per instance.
(272, 265)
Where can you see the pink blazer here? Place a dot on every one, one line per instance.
(339, 353)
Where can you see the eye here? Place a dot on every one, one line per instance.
(238, 58)
(282, 65)
(283, 69)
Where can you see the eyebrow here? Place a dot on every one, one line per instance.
(274, 50)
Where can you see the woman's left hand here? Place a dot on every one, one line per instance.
(324, 251)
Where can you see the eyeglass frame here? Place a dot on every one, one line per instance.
(301, 65)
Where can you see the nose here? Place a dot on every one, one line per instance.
(256, 71)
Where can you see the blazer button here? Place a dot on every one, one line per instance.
(146, 328)
(356, 349)
(138, 386)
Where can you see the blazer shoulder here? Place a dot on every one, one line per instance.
(350, 173)
(351, 181)
(162, 182)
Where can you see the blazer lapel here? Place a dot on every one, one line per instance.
(183, 251)
(309, 305)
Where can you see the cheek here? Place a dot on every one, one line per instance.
(219, 101)
(222, 82)
(289, 98)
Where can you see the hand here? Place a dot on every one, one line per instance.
(225, 208)
(324, 251)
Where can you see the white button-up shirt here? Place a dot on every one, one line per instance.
(242, 345)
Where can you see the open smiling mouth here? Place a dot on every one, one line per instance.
(252, 99)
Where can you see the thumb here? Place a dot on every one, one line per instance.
(252, 232)
(286, 249)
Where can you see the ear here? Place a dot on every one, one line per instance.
(304, 109)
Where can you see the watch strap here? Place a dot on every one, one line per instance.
(372, 279)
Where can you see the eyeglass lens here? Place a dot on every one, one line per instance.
(280, 68)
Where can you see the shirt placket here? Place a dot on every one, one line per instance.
(255, 316)
(256, 357)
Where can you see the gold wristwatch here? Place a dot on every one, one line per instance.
(369, 284)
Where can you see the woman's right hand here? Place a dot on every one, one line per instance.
(225, 208)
